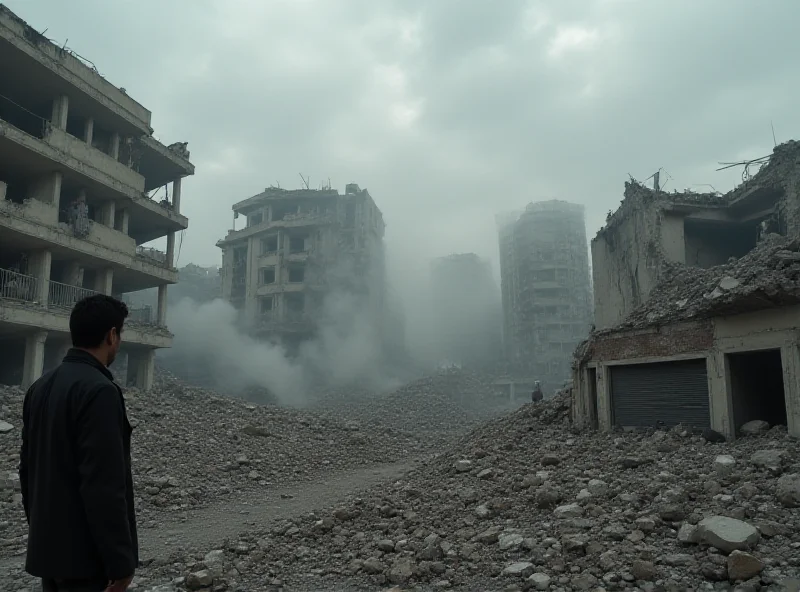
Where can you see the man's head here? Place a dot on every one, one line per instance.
(96, 326)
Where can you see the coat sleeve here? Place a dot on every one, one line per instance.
(23, 457)
(102, 468)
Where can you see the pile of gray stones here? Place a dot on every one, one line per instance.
(522, 502)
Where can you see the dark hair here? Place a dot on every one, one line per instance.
(93, 317)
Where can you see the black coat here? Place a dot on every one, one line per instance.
(75, 473)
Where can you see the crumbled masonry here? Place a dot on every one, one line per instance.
(520, 503)
(768, 276)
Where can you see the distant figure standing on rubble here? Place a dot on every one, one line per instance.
(75, 462)
(537, 394)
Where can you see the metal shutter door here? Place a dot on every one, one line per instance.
(667, 393)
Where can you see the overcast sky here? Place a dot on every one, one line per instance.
(447, 111)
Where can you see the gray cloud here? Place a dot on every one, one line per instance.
(448, 111)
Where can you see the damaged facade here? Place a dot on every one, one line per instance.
(77, 160)
(546, 292)
(697, 304)
(299, 247)
(466, 314)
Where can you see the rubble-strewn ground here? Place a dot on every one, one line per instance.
(193, 448)
(523, 503)
(436, 407)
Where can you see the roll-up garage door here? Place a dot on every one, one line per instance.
(668, 393)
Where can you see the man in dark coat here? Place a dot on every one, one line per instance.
(75, 462)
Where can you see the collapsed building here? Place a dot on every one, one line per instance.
(298, 248)
(697, 304)
(546, 290)
(78, 162)
(465, 309)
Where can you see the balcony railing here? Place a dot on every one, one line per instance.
(18, 286)
(152, 255)
(65, 296)
(143, 315)
(24, 288)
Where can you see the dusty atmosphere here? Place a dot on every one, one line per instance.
(471, 296)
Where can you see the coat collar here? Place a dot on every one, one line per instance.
(79, 356)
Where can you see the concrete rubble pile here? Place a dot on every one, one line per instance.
(523, 503)
(767, 276)
(438, 406)
(192, 447)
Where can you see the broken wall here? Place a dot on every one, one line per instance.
(629, 252)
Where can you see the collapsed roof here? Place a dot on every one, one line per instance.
(768, 276)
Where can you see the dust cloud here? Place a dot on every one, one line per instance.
(215, 350)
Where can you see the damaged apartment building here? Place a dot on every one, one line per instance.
(77, 160)
(546, 290)
(298, 247)
(697, 305)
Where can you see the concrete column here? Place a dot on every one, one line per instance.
(104, 280)
(60, 112)
(73, 274)
(39, 267)
(88, 130)
(720, 398)
(3, 188)
(176, 195)
(107, 213)
(170, 249)
(790, 358)
(34, 358)
(46, 189)
(604, 410)
(125, 217)
(162, 305)
(113, 150)
(141, 367)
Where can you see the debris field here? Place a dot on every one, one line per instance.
(522, 502)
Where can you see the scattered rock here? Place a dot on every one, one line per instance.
(540, 581)
(713, 436)
(644, 570)
(771, 460)
(788, 490)
(727, 534)
(199, 579)
(569, 511)
(754, 428)
(724, 465)
(743, 566)
(519, 569)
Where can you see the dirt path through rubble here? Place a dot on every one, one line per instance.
(207, 527)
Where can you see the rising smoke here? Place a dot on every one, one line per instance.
(346, 350)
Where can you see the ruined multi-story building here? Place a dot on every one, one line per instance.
(77, 160)
(465, 311)
(297, 248)
(546, 291)
(697, 304)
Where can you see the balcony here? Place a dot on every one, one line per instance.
(38, 148)
(35, 224)
(152, 256)
(290, 221)
(21, 303)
